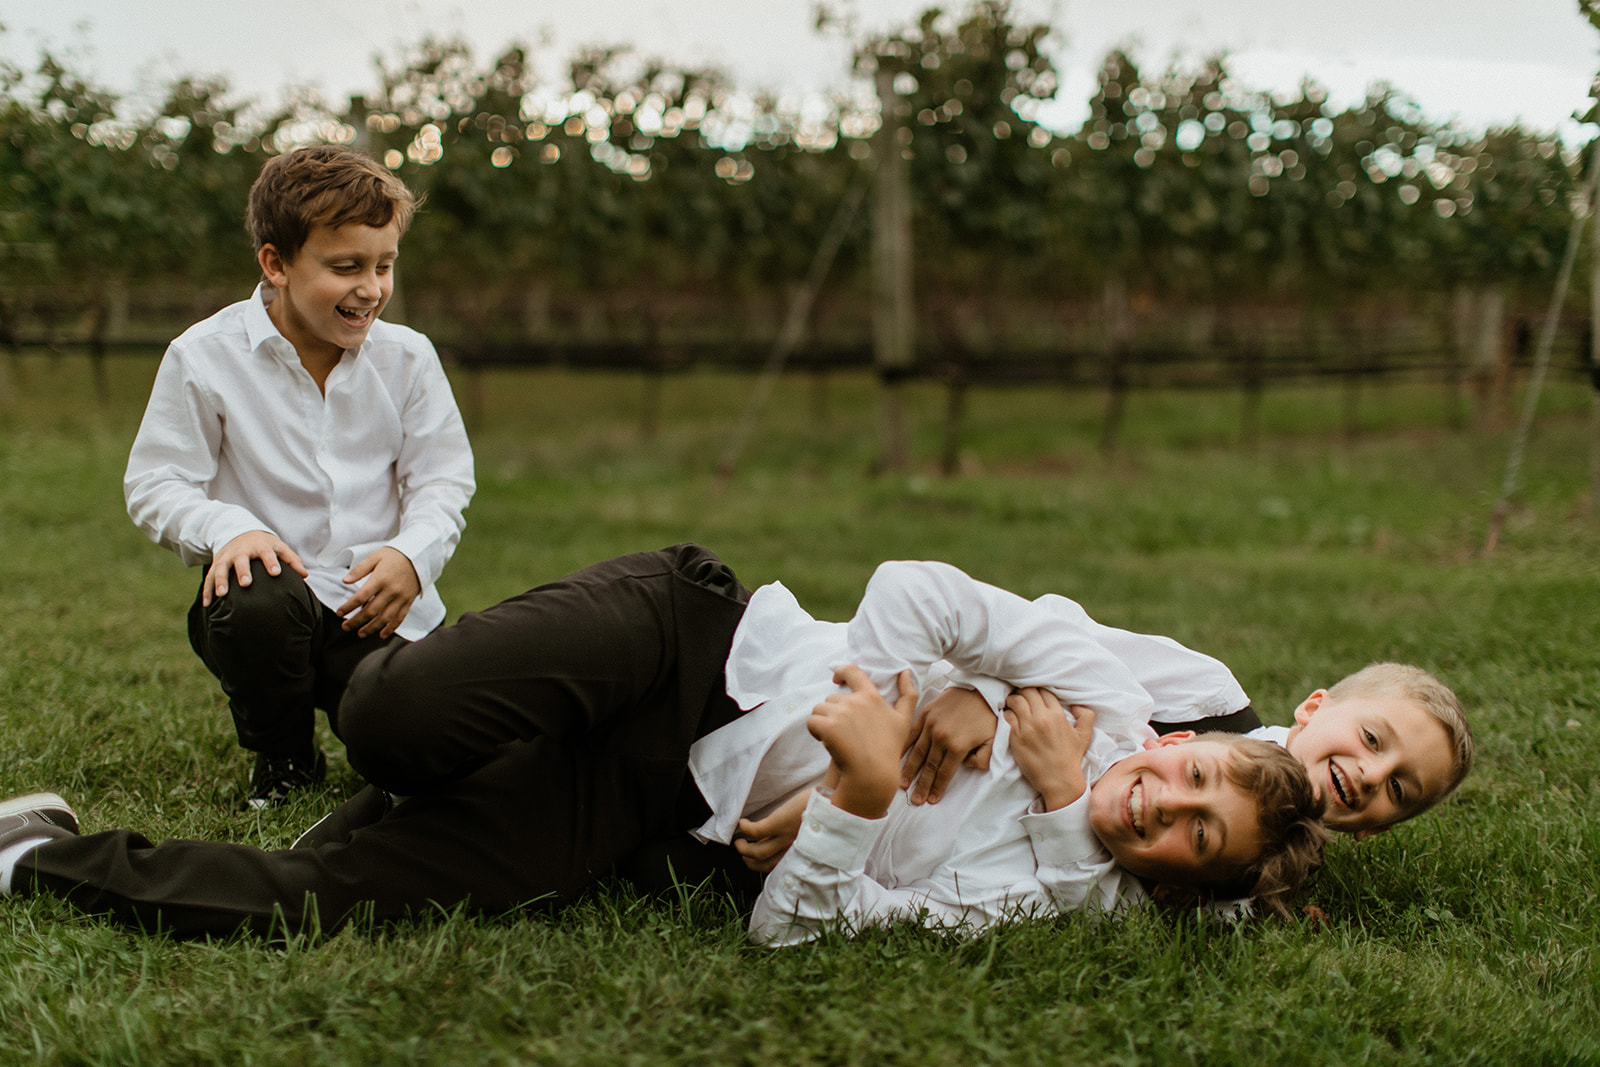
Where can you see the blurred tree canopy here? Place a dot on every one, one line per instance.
(641, 180)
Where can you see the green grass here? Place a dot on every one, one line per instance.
(1468, 936)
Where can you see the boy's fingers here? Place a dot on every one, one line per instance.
(906, 702)
(941, 780)
(917, 751)
(292, 558)
(978, 758)
(852, 676)
(926, 780)
(1085, 719)
(241, 570)
(360, 571)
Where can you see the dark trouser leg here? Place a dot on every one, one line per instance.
(645, 631)
(537, 824)
(1240, 722)
(279, 653)
(537, 819)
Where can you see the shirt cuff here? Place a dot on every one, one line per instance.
(419, 546)
(1062, 838)
(832, 837)
(231, 522)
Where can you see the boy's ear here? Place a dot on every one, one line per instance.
(1176, 737)
(1308, 706)
(1362, 835)
(272, 266)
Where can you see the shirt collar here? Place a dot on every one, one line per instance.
(258, 325)
(261, 331)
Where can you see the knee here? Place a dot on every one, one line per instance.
(384, 722)
(270, 604)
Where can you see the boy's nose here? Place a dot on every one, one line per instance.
(1172, 804)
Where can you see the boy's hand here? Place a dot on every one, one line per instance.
(955, 729)
(866, 737)
(385, 598)
(236, 556)
(762, 842)
(1048, 746)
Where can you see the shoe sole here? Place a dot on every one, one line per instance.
(38, 802)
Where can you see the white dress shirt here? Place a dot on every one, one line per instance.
(237, 437)
(985, 851)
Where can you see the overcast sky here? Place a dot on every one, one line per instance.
(1479, 62)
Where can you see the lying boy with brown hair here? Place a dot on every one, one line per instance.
(558, 735)
(1058, 823)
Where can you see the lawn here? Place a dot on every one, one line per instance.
(1468, 936)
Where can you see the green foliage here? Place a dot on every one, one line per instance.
(646, 186)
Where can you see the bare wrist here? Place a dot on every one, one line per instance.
(866, 793)
(1062, 791)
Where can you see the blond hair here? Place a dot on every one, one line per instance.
(1289, 816)
(1417, 686)
(324, 185)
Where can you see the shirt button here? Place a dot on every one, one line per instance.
(789, 883)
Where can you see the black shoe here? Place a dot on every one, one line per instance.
(277, 777)
(35, 815)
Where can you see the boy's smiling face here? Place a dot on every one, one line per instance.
(1374, 759)
(333, 290)
(1170, 813)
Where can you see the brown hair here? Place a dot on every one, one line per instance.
(325, 185)
(1426, 692)
(1290, 817)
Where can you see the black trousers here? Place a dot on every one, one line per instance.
(543, 742)
(280, 653)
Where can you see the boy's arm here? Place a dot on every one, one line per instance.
(434, 474)
(916, 613)
(434, 477)
(821, 880)
(172, 461)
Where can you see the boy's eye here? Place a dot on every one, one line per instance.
(1194, 773)
(1200, 838)
(1372, 738)
(1398, 790)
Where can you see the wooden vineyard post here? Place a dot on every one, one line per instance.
(892, 322)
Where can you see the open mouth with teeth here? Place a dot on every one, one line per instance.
(355, 317)
(1341, 785)
(1136, 807)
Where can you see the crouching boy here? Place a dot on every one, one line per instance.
(1059, 823)
(309, 457)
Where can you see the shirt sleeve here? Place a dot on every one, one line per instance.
(173, 461)
(821, 884)
(915, 613)
(1074, 869)
(434, 472)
